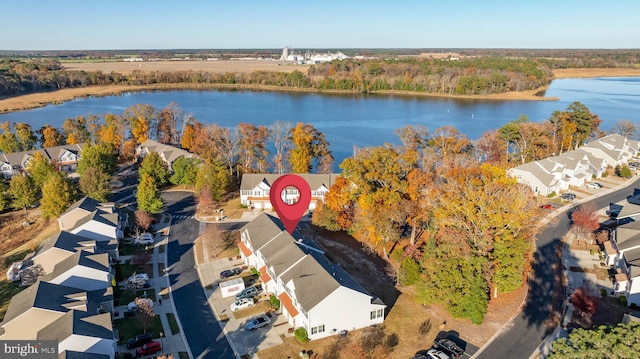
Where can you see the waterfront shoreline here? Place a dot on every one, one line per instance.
(36, 100)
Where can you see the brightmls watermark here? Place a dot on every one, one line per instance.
(39, 349)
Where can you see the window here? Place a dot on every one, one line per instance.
(318, 329)
(377, 314)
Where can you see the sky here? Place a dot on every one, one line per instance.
(333, 24)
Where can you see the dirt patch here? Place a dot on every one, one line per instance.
(22, 232)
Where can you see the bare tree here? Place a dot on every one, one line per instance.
(280, 136)
(144, 306)
(144, 219)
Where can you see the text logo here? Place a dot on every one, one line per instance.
(39, 349)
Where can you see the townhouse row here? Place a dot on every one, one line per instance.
(70, 293)
(574, 168)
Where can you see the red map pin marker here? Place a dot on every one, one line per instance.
(290, 214)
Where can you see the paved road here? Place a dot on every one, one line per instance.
(202, 331)
(527, 330)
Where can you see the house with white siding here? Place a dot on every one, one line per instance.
(64, 157)
(574, 168)
(82, 270)
(256, 187)
(315, 293)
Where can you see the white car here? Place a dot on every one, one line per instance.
(144, 238)
(139, 277)
(594, 185)
(242, 304)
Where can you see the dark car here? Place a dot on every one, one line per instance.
(448, 346)
(568, 196)
(230, 272)
(139, 340)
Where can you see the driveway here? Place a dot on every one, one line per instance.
(201, 329)
(522, 336)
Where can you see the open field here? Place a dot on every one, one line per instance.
(588, 73)
(221, 66)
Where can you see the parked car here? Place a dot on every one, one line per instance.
(138, 277)
(242, 304)
(139, 340)
(594, 185)
(144, 238)
(430, 354)
(247, 293)
(448, 346)
(230, 272)
(568, 196)
(259, 322)
(548, 206)
(149, 348)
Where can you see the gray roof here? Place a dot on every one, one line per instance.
(633, 260)
(101, 216)
(281, 253)
(628, 235)
(315, 181)
(68, 354)
(538, 172)
(81, 258)
(262, 229)
(66, 241)
(49, 296)
(168, 152)
(87, 203)
(78, 323)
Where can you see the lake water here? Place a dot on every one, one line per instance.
(359, 120)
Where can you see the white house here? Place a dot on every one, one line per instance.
(43, 303)
(255, 189)
(315, 293)
(64, 157)
(60, 247)
(76, 331)
(574, 168)
(82, 270)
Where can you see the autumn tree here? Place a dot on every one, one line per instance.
(23, 192)
(337, 211)
(279, 132)
(449, 141)
(413, 138)
(8, 140)
(621, 341)
(145, 312)
(308, 146)
(95, 184)
(112, 131)
(190, 134)
(206, 203)
(185, 171)
(50, 136)
(154, 166)
(585, 300)
(144, 219)
(626, 128)
(584, 221)
(148, 195)
(26, 137)
(100, 156)
(489, 147)
(140, 259)
(39, 169)
(79, 129)
(5, 198)
(252, 147)
(57, 195)
(141, 118)
(170, 123)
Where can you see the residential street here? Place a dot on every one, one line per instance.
(202, 331)
(523, 335)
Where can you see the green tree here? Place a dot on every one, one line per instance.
(148, 195)
(57, 195)
(8, 141)
(216, 177)
(586, 123)
(95, 184)
(25, 136)
(40, 169)
(5, 198)
(23, 192)
(185, 171)
(101, 157)
(621, 341)
(154, 166)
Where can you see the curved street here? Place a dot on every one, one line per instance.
(201, 329)
(522, 336)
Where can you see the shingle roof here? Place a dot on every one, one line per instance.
(281, 253)
(78, 323)
(315, 181)
(81, 258)
(628, 235)
(66, 241)
(262, 229)
(100, 216)
(87, 203)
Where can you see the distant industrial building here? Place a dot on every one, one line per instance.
(309, 57)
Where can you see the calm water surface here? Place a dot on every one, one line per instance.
(360, 120)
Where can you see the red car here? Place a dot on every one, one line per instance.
(548, 206)
(149, 348)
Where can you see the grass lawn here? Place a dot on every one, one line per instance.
(183, 355)
(7, 291)
(173, 323)
(127, 249)
(127, 269)
(130, 327)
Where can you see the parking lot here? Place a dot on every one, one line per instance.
(241, 340)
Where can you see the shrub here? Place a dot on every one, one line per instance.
(254, 271)
(552, 194)
(622, 299)
(603, 292)
(275, 302)
(410, 270)
(605, 174)
(625, 172)
(301, 335)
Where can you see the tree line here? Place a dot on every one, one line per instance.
(468, 76)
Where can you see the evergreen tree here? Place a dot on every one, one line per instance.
(40, 169)
(57, 195)
(155, 167)
(95, 184)
(185, 171)
(621, 341)
(5, 199)
(101, 157)
(214, 176)
(148, 195)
